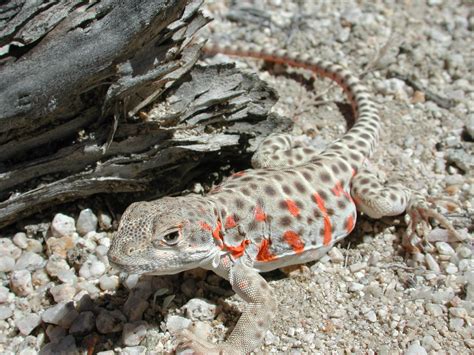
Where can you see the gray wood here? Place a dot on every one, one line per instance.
(99, 105)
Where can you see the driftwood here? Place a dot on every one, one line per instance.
(106, 97)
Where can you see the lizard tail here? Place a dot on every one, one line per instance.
(360, 141)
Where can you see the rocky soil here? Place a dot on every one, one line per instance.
(58, 293)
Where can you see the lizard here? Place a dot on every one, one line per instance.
(290, 208)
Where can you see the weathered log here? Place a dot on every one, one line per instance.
(113, 102)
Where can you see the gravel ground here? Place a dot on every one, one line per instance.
(59, 294)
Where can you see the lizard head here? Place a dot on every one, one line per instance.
(164, 237)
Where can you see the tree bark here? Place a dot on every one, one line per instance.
(106, 97)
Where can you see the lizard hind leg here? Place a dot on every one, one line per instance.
(282, 150)
(378, 200)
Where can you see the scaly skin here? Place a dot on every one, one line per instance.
(290, 209)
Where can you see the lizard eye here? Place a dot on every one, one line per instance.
(171, 238)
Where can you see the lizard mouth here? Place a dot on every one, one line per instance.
(129, 266)
(145, 268)
(138, 269)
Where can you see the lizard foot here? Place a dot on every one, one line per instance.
(419, 226)
(190, 343)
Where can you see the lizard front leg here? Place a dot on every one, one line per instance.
(256, 318)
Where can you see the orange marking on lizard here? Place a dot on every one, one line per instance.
(205, 226)
(216, 233)
(239, 250)
(350, 224)
(327, 231)
(327, 222)
(337, 189)
(294, 241)
(264, 253)
(230, 222)
(260, 215)
(239, 173)
(292, 207)
(235, 251)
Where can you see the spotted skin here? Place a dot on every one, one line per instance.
(291, 208)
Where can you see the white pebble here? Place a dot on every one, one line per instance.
(89, 288)
(40, 277)
(140, 350)
(5, 312)
(131, 281)
(336, 255)
(431, 263)
(443, 296)
(30, 261)
(67, 276)
(7, 264)
(7, 248)
(86, 222)
(434, 309)
(458, 312)
(63, 226)
(101, 250)
(105, 221)
(20, 240)
(450, 269)
(357, 267)
(464, 252)
(374, 258)
(105, 242)
(371, 316)
(4, 294)
(20, 282)
(92, 268)
(109, 283)
(271, 339)
(134, 333)
(27, 323)
(415, 349)
(200, 309)
(444, 248)
(466, 265)
(89, 244)
(55, 265)
(429, 343)
(28, 351)
(175, 323)
(356, 287)
(35, 246)
(62, 292)
(456, 324)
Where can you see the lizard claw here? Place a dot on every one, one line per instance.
(190, 343)
(419, 226)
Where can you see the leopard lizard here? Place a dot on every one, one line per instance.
(291, 208)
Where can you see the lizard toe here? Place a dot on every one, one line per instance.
(190, 343)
